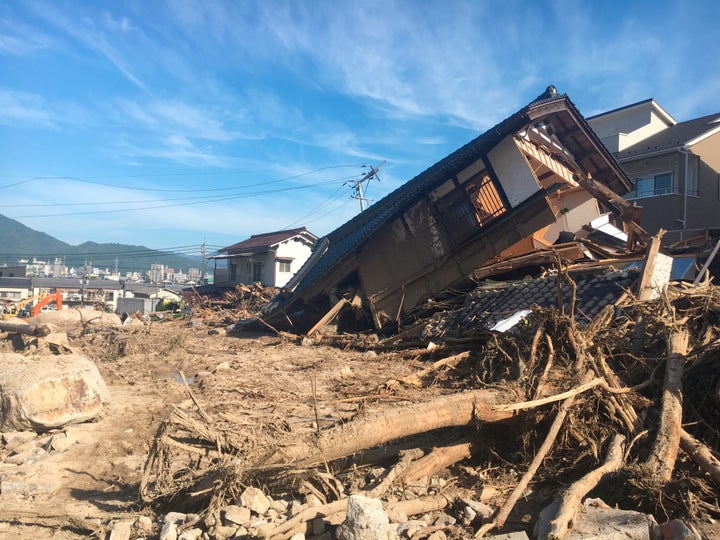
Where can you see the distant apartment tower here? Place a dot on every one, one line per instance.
(157, 272)
(57, 267)
(193, 274)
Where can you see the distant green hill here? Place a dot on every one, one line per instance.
(20, 242)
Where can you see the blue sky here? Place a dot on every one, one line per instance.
(170, 123)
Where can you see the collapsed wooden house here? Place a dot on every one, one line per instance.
(527, 188)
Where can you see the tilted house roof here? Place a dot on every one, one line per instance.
(554, 111)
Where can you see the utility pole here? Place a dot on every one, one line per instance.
(358, 184)
(202, 269)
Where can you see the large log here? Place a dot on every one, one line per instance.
(37, 331)
(394, 423)
(667, 441)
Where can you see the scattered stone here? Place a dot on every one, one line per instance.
(280, 506)
(222, 532)
(239, 515)
(12, 487)
(222, 366)
(408, 529)
(596, 521)
(49, 391)
(60, 442)
(437, 535)
(519, 535)
(169, 528)
(297, 536)
(217, 332)
(480, 508)
(121, 530)
(144, 524)
(190, 534)
(469, 515)
(15, 439)
(255, 500)
(445, 520)
(27, 457)
(677, 530)
(365, 520)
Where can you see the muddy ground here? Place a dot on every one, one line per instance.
(259, 382)
(263, 384)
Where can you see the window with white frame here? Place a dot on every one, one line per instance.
(284, 266)
(652, 185)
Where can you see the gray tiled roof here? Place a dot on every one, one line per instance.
(488, 305)
(74, 283)
(672, 136)
(14, 283)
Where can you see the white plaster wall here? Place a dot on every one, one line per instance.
(298, 251)
(513, 171)
(623, 129)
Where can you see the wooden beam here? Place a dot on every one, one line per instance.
(330, 315)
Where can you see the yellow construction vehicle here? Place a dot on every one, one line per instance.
(16, 310)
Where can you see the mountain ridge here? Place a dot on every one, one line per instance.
(18, 241)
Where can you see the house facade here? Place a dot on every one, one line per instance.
(674, 167)
(270, 258)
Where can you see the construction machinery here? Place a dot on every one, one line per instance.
(17, 310)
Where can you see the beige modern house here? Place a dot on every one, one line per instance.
(674, 167)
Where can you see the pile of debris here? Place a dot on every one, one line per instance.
(226, 306)
(581, 395)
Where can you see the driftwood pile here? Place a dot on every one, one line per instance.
(231, 305)
(628, 408)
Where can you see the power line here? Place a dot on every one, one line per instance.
(90, 181)
(193, 199)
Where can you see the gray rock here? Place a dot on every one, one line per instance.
(238, 515)
(365, 520)
(12, 487)
(480, 508)
(520, 535)
(49, 391)
(597, 521)
(170, 524)
(190, 534)
(121, 530)
(677, 530)
(27, 457)
(255, 500)
(144, 524)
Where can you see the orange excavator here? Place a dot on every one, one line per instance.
(45, 299)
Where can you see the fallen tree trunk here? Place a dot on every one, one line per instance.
(667, 442)
(570, 499)
(701, 455)
(27, 329)
(437, 460)
(395, 423)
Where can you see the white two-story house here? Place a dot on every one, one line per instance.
(270, 258)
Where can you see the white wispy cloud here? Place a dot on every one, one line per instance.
(29, 110)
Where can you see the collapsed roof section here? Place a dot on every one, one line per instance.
(532, 181)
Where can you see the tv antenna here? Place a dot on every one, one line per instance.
(357, 185)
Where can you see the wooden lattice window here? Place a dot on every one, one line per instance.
(485, 198)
